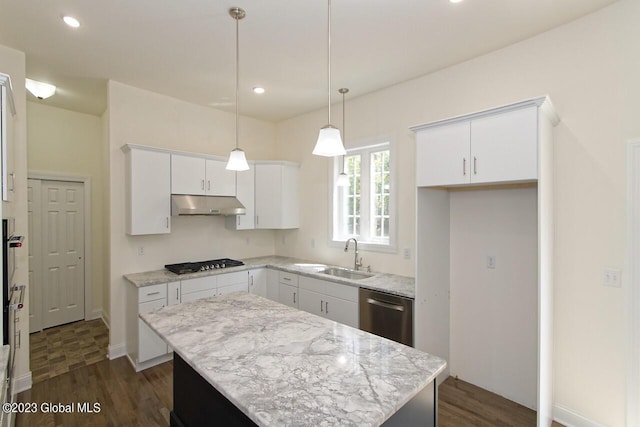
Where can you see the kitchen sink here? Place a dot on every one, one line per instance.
(346, 273)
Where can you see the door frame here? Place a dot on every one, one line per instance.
(633, 289)
(88, 271)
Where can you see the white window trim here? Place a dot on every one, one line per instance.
(392, 246)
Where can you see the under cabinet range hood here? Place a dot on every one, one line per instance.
(185, 204)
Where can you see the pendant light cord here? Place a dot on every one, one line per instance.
(329, 63)
(344, 126)
(237, 75)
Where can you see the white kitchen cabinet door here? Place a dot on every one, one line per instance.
(258, 282)
(273, 284)
(232, 288)
(340, 310)
(443, 155)
(245, 192)
(173, 293)
(504, 146)
(311, 302)
(198, 284)
(150, 345)
(187, 174)
(276, 196)
(148, 191)
(288, 295)
(193, 296)
(219, 181)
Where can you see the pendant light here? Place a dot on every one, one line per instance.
(329, 143)
(343, 179)
(237, 160)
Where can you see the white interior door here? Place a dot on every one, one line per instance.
(63, 252)
(34, 207)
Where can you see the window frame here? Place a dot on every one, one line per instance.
(367, 146)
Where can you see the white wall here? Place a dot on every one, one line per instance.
(12, 62)
(590, 69)
(140, 117)
(57, 138)
(494, 312)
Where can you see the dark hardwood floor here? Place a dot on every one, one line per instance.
(145, 398)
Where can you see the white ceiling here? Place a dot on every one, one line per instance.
(186, 48)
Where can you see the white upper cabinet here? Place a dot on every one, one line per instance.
(219, 181)
(245, 192)
(200, 176)
(276, 195)
(148, 191)
(443, 155)
(7, 116)
(495, 146)
(504, 147)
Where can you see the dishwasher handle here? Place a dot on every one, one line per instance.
(395, 307)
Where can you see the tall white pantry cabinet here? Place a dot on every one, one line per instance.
(502, 153)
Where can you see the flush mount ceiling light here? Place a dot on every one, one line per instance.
(40, 90)
(259, 90)
(329, 143)
(343, 179)
(455, 1)
(237, 160)
(71, 21)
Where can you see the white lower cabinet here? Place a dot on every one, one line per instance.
(198, 288)
(144, 347)
(288, 295)
(273, 288)
(258, 282)
(329, 299)
(232, 282)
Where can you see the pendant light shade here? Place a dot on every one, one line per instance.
(329, 142)
(237, 160)
(343, 179)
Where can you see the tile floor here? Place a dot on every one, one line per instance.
(64, 348)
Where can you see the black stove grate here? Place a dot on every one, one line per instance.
(194, 267)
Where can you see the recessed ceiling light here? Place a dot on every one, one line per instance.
(259, 90)
(71, 21)
(455, 1)
(40, 90)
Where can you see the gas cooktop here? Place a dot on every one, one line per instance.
(194, 267)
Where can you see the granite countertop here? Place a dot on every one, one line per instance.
(283, 366)
(390, 283)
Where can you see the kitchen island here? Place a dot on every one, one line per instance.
(241, 359)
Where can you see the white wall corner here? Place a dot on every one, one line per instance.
(571, 419)
(22, 383)
(105, 318)
(96, 313)
(118, 350)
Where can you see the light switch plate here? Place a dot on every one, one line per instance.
(611, 277)
(491, 261)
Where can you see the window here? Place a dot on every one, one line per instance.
(364, 209)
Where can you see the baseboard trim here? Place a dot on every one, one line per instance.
(116, 351)
(571, 419)
(95, 314)
(22, 383)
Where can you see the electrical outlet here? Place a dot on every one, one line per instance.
(140, 250)
(611, 277)
(406, 253)
(491, 261)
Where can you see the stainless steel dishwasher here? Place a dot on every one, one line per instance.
(388, 316)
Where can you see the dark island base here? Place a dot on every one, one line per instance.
(198, 403)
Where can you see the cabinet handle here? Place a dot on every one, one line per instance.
(288, 279)
(19, 339)
(208, 184)
(153, 293)
(167, 222)
(475, 169)
(257, 220)
(320, 306)
(294, 297)
(326, 307)
(251, 280)
(177, 294)
(238, 216)
(464, 166)
(202, 184)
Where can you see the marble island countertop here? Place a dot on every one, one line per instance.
(282, 366)
(390, 283)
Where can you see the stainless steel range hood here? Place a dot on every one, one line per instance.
(183, 204)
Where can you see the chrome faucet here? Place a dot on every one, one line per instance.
(356, 263)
